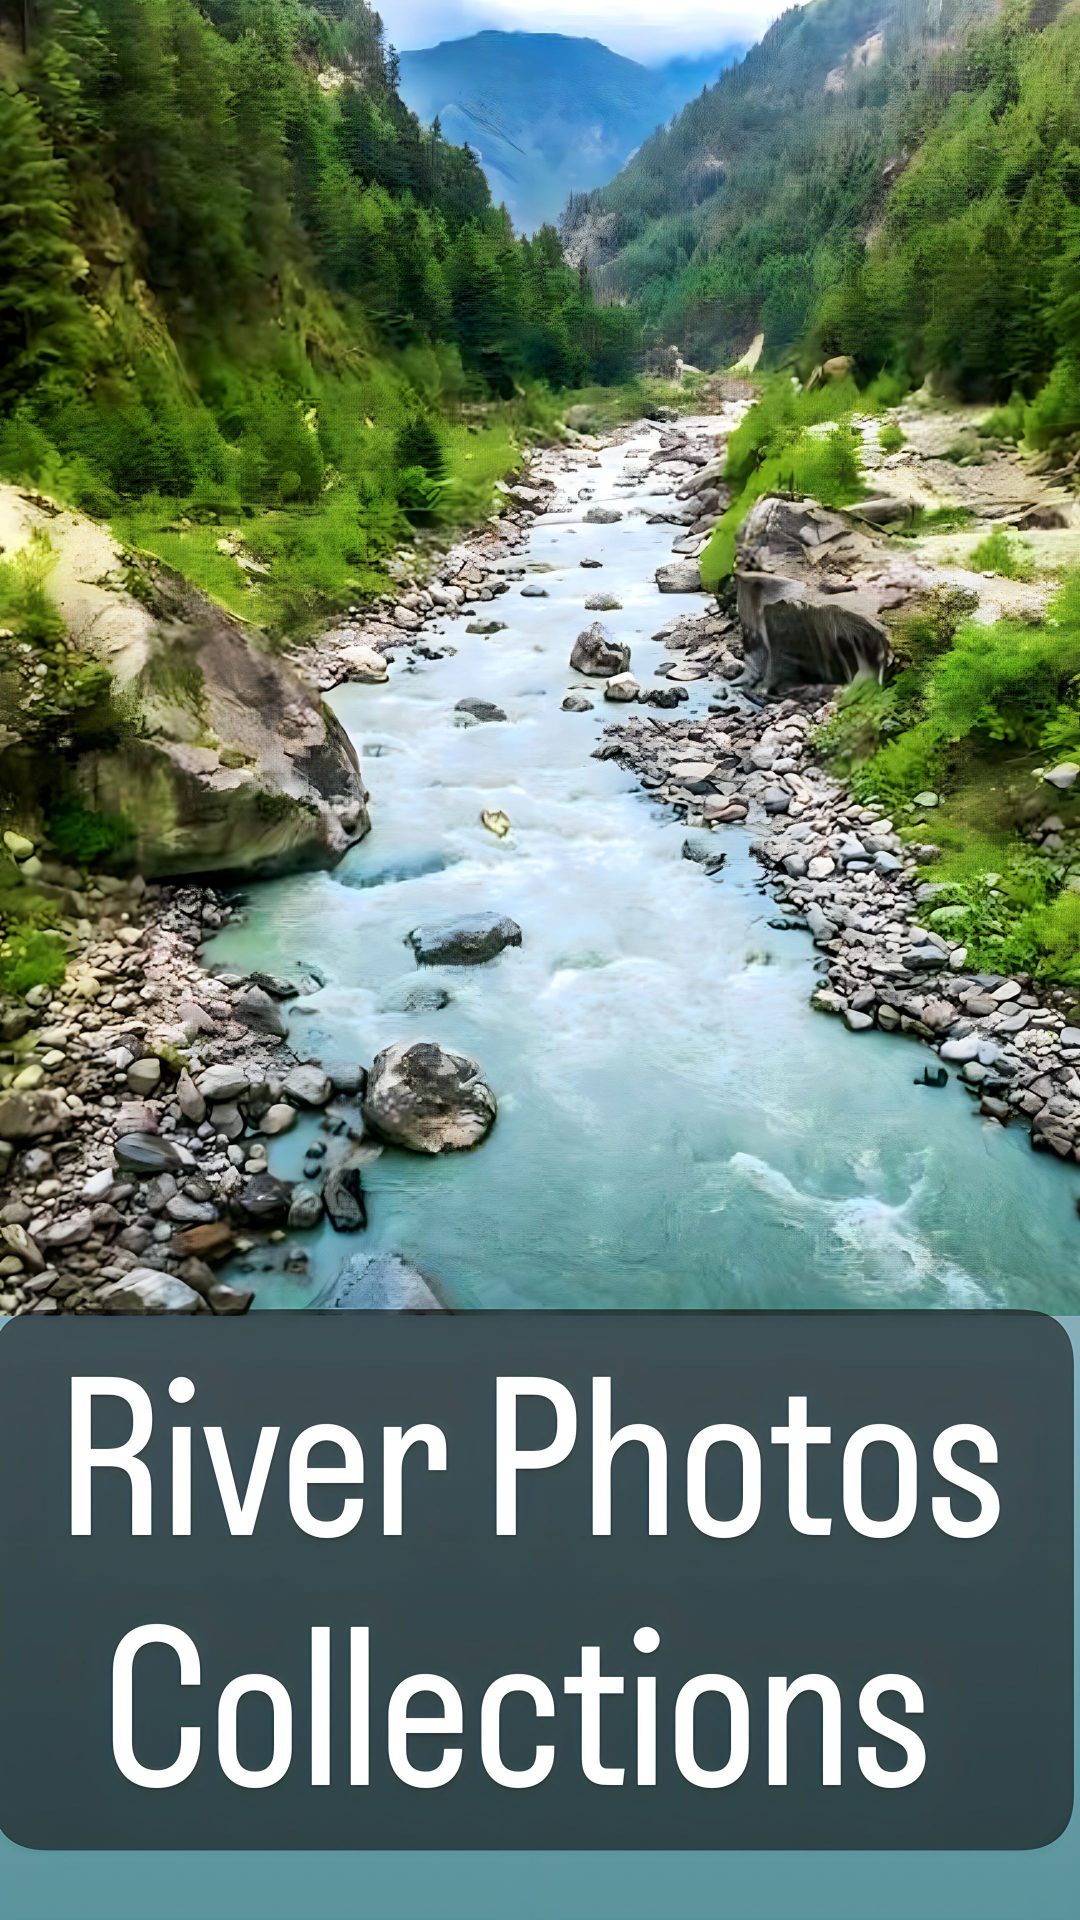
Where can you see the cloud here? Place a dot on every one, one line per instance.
(632, 27)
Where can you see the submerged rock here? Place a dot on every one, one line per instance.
(463, 943)
(577, 703)
(380, 1283)
(343, 1198)
(595, 652)
(427, 1099)
(480, 709)
(602, 516)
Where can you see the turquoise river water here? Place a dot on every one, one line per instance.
(676, 1126)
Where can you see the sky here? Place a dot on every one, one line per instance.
(637, 28)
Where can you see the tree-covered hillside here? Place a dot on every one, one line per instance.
(745, 211)
(239, 279)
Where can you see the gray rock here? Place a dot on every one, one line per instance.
(278, 1118)
(254, 1008)
(223, 1082)
(480, 709)
(602, 516)
(595, 652)
(1063, 776)
(577, 703)
(343, 1198)
(486, 626)
(602, 603)
(622, 688)
(146, 1154)
(305, 1207)
(265, 1200)
(427, 1099)
(143, 1076)
(382, 1283)
(464, 943)
(308, 1086)
(149, 1290)
(679, 576)
(274, 983)
(190, 1100)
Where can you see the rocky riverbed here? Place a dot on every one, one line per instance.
(143, 1102)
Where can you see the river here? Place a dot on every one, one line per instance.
(676, 1126)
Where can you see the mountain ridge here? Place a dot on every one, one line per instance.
(547, 113)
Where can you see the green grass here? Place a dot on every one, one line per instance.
(779, 447)
(973, 713)
(1011, 560)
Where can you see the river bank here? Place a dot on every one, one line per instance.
(641, 972)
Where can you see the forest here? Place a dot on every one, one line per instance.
(238, 278)
(895, 181)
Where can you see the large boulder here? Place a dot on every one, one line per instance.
(807, 611)
(595, 652)
(428, 1099)
(463, 943)
(221, 758)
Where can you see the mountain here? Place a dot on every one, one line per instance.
(733, 219)
(546, 114)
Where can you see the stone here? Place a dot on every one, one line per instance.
(308, 1086)
(365, 664)
(265, 1200)
(926, 799)
(17, 844)
(149, 1290)
(146, 1154)
(305, 1207)
(343, 1198)
(622, 688)
(223, 1082)
(486, 626)
(255, 1009)
(603, 603)
(224, 1298)
(427, 1099)
(577, 703)
(594, 652)
(278, 1119)
(1063, 776)
(190, 1100)
(679, 576)
(35, 1115)
(18, 1242)
(274, 983)
(211, 1240)
(857, 1022)
(484, 710)
(463, 943)
(383, 1283)
(602, 516)
(143, 1076)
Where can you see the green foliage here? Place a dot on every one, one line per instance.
(59, 691)
(891, 437)
(973, 712)
(998, 554)
(29, 958)
(41, 316)
(82, 835)
(791, 441)
(284, 276)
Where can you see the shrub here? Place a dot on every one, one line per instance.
(998, 554)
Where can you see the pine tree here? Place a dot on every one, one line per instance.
(41, 316)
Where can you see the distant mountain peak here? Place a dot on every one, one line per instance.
(548, 114)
